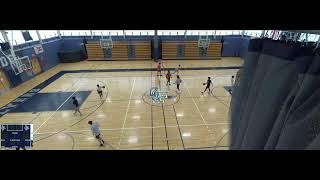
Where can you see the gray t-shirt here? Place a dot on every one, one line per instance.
(178, 81)
(95, 129)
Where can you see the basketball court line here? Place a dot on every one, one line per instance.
(199, 112)
(156, 126)
(56, 110)
(175, 114)
(142, 127)
(125, 117)
(60, 105)
(196, 106)
(59, 74)
(165, 126)
(151, 106)
(119, 77)
(151, 69)
(209, 147)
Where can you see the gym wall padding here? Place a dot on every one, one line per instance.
(71, 56)
(276, 101)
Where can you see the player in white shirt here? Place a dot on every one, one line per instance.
(99, 90)
(178, 82)
(96, 132)
(177, 70)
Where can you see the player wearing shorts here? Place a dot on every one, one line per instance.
(159, 69)
(178, 82)
(99, 90)
(96, 132)
(208, 83)
(177, 70)
(76, 106)
(168, 76)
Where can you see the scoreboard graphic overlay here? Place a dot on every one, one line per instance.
(16, 135)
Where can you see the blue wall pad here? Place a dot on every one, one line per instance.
(180, 50)
(202, 53)
(107, 53)
(51, 102)
(131, 51)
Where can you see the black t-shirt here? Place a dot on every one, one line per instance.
(209, 82)
(75, 102)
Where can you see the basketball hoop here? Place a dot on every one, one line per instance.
(106, 43)
(203, 42)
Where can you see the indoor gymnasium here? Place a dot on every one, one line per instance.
(159, 89)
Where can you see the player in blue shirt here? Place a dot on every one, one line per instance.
(96, 132)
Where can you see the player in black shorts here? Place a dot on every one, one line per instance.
(99, 90)
(76, 106)
(208, 83)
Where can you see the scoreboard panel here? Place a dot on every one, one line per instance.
(16, 135)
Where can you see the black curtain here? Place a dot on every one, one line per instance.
(276, 101)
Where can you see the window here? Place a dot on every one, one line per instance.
(34, 35)
(132, 32)
(15, 37)
(106, 32)
(254, 33)
(67, 32)
(1, 38)
(139, 32)
(81, 33)
(44, 34)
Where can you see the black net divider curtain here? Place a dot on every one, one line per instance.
(276, 99)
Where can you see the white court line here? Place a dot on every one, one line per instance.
(184, 77)
(134, 128)
(59, 106)
(125, 117)
(56, 110)
(198, 109)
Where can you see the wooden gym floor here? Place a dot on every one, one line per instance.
(193, 121)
